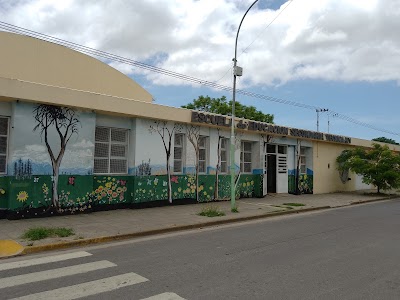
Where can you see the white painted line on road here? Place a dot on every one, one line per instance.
(165, 296)
(42, 260)
(55, 273)
(88, 288)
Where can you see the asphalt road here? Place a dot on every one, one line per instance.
(346, 253)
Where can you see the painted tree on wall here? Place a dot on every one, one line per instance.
(66, 124)
(166, 133)
(194, 137)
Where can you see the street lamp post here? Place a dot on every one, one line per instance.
(237, 71)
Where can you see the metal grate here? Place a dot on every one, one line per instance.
(118, 135)
(177, 166)
(118, 166)
(3, 126)
(118, 151)
(101, 150)
(178, 152)
(100, 165)
(102, 134)
(111, 150)
(3, 145)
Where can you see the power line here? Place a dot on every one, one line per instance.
(99, 53)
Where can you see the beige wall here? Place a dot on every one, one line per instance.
(34, 60)
(326, 175)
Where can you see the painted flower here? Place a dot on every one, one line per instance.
(119, 189)
(100, 188)
(109, 192)
(22, 196)
(2, 192)
(108, 184)
(252, 182)
(124, 188)
(155, 181)
(114, 195)
(179, 189)
(103, 194)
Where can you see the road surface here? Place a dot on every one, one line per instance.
(345, 253)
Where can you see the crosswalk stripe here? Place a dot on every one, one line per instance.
(165, 296)
(42, 260)
(88, 288)
(55, 273)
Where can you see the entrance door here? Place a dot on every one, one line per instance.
(265, 179)
(271, 173)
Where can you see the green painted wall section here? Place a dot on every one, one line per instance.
(305, 184)
(81, 193)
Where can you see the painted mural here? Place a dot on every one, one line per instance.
(51, 170)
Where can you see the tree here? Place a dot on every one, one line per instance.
(378, 166)
(166, 134)
(383, 139)
(223, 107)
(64, 120)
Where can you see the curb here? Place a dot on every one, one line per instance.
(105, 239)
(10, 248)
(373, 200)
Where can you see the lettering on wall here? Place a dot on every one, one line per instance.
(200, 117)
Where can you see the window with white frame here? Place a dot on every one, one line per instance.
(245, 157)
(3, 144)
(203, 142)
(111, 151)
(179, 152)
(303, 168)
(224, 155)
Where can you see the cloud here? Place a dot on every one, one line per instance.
(341, 40)
(79, 155)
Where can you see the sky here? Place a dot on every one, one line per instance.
(341, 55)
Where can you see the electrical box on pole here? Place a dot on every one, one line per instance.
(238, 71)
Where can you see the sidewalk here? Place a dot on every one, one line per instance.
(126, 223)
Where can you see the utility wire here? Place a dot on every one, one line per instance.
(94, 52)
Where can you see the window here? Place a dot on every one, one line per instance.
(224, 155)
(245, 157)
(303, 169)
(3, 144)
(178, 152)
(110, 151)
(202, 154)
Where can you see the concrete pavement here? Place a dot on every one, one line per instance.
(127, 223)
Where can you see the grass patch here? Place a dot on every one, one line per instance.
(211, 211)
(235, 209)
(294, 204)
(39, 233)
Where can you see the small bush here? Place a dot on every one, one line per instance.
(211, 211)
(294, 204)
(39, 233)
(235, 209)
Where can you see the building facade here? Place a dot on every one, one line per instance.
(76, 136)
